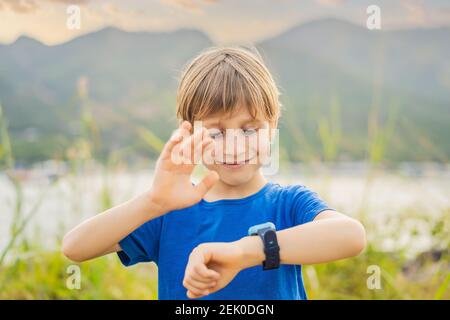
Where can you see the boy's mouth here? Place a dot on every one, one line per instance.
(235, 165)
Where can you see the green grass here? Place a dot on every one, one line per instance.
(43, 275)
(347, 279)
(33, 273)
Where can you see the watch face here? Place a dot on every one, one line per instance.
(252, 231)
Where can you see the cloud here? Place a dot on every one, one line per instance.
(19, 6)
(226, 22)
(330, 2)
(416, 12)
(29, 6)
(71, 1)
(190, 5)
(420, 14)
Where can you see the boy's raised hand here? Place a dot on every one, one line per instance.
(172, 187)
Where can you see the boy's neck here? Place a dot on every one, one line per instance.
(221, 190)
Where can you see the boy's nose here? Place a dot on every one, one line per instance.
(235, 147)
(237, 152)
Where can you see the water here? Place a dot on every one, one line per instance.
(76, 198)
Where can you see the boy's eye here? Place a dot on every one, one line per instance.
(249, 132)
(215, 134)
(218, 134)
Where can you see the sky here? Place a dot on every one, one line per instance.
(225, 21)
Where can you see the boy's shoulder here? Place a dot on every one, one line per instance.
(293, 194)
(299, 201)
(289, 189)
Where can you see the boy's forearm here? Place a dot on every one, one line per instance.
(315, 242)
(96, 235)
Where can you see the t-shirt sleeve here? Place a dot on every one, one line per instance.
(306, 205)
(142, 245)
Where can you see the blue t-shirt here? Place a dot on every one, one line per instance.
(168, 240)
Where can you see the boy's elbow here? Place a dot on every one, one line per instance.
(69, 250)
(358, 237)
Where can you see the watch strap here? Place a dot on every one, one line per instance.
(267, 233)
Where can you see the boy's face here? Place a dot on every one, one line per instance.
(239, 145)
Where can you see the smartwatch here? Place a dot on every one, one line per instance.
(268, 235)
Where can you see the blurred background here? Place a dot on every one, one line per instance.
(365, 122)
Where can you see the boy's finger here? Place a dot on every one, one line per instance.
(192, 295)
(177, 136)
(208, 153)
(187, 147)
(186, 125)
(198, 144)
(182, 130)
(188, 285)
(190, 281)
(205, 273)
(169, 146)
(200, 149)
(196, 291)
(207, 182)
(197, 277)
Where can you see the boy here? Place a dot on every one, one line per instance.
(198, 234)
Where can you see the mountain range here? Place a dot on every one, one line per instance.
(344, 89)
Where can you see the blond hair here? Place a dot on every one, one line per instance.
(222, 78)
